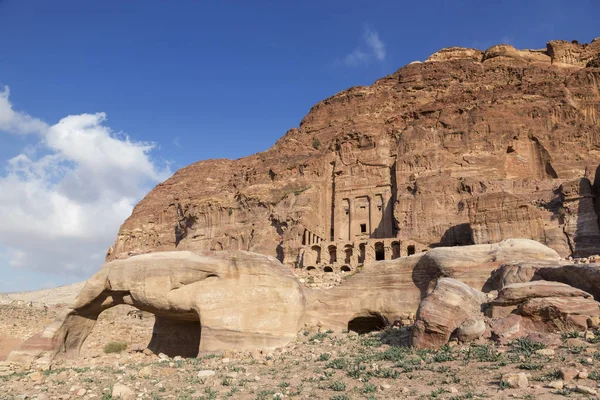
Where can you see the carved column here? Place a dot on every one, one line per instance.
(351, 232)
(372, 215)
(387, 215)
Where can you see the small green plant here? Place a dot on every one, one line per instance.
(531, 366)
(114, 347)
(369, 388)
(337, 386)
(526, 346)
(324, 357)
(340, 397)
(316, 143)
(338, 363)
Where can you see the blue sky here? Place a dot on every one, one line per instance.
(182, 81)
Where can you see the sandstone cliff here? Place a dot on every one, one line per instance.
(467, 147)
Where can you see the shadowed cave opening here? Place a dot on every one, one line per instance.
(175, 337)
(178, 334)
(367, 323)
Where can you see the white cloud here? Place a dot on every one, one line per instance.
(375, 44)
(16, 122)
(61, 205)
(371, 48)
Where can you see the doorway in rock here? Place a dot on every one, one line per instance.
(379, 251)
(366, 323)
(327, 269)
(175, 337)
(410, 250)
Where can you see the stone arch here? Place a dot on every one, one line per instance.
(332, 254)
(311, 268)
(345, 268)
(367, 322)
(176, 334)
(327, 269)
(316, 254)
(379, 251)
(395, 250)
(348, 254)
(362, 254)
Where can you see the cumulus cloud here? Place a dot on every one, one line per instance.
(61, 206)
(16, 122)
(370, 49)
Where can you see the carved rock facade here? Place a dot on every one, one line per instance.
(468, 147)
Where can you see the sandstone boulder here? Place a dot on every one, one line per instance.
(520, 292)
(380, 294)
(225, 300)
(474, 264)
(449, 305)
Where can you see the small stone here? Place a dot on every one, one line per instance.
(225, 360)
(232, 375)
(206, 373)
(145, 372)
(163, 356)
(516, 380)
(568, 374)
(585, 390)
(81, 392)
(37, 377)
(576, 342)
(545, 352)
(385, 386)
(177, 358)
(583, 374)
(589, 335)
(556, 385)
(147, 352)
(121, 391)
(453, 390)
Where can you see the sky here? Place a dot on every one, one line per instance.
(102, 100)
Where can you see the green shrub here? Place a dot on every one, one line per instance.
(115, 347)
(316, 143)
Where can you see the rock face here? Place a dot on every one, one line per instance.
(450, 305)
(470, 147)
(230, 300)
(379, 295)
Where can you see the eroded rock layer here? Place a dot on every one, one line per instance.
(469, 147)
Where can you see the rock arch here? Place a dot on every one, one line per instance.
(184, 290)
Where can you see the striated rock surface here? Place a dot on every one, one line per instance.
(449, 306)
(468, 148)
(474, 264)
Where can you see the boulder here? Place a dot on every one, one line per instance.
(382, 293)
(449, 305)
(517, 293)
(561, 313)
(202, 302)
(474, 264)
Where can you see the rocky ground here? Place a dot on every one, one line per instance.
(318, 365)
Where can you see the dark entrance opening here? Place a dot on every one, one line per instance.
(379, 251)
(363, 228)
(410, 250)
(327, 269)
(366, 323)
(345, 268)
(175, 338)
